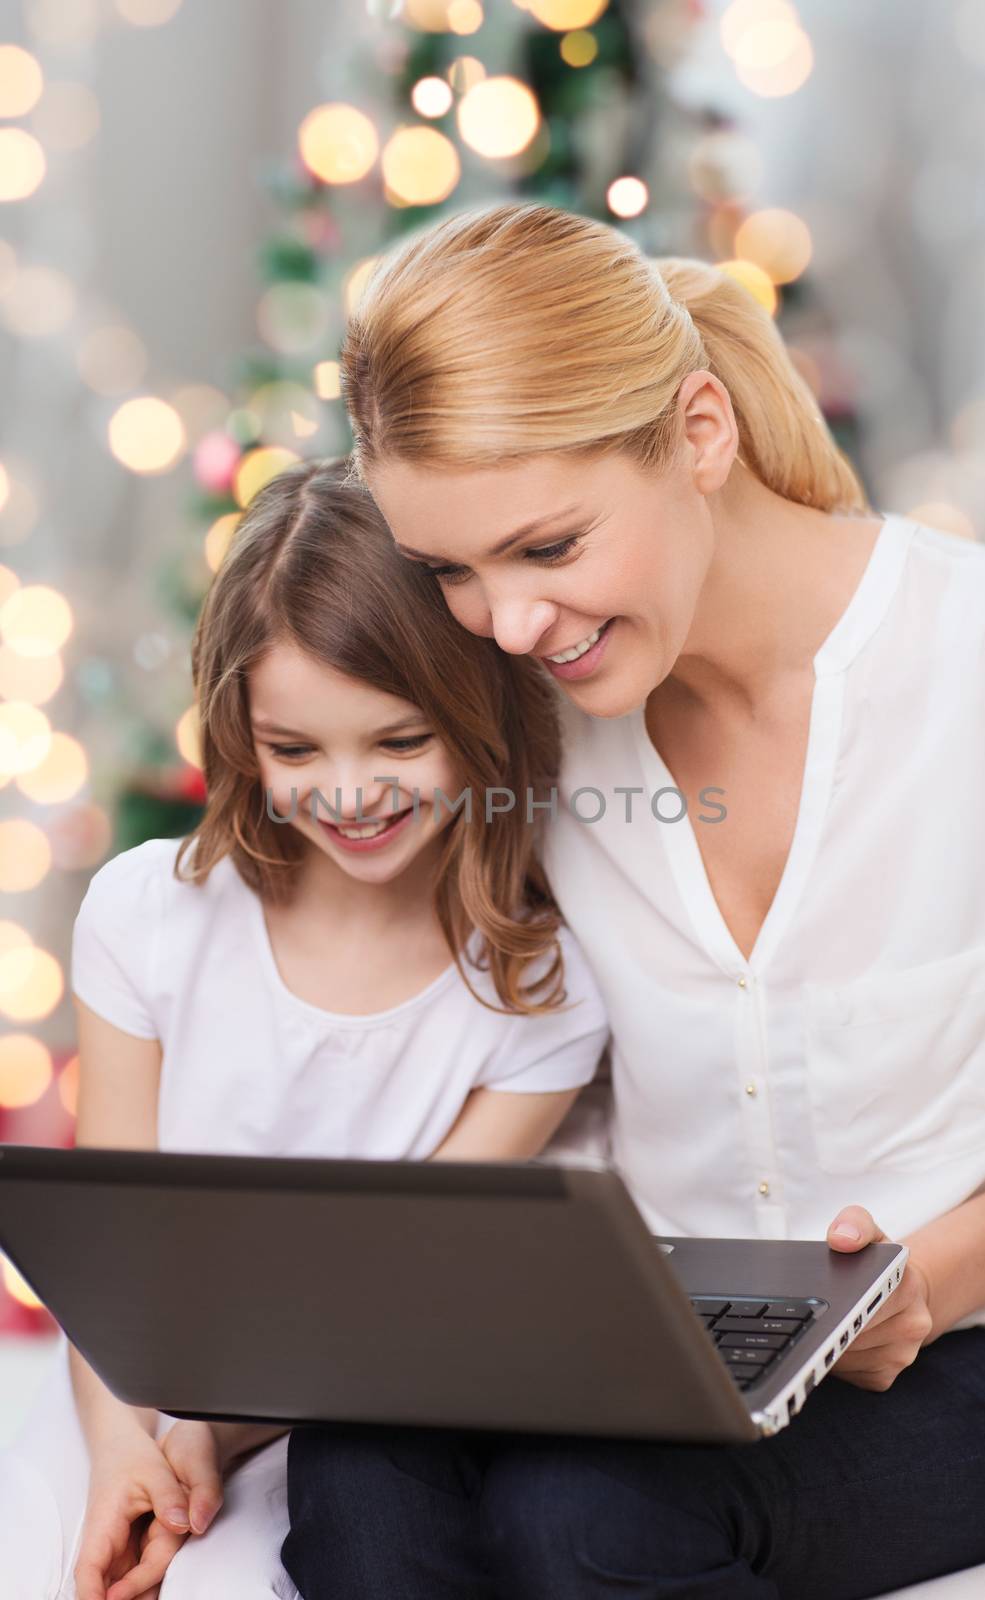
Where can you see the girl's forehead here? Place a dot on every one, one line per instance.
(288, 679)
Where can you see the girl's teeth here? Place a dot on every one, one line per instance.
(578, 649)
(369, 830)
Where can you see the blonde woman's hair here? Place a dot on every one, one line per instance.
(520, 328)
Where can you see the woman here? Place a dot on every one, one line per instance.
(774, 704)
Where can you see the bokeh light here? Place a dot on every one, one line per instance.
(21, 81)
(65, 26)
(465, 16)
(431, 97)
(22, 164)
(219, 538)
(31, 984)
(19, 510)
(67, 116)
(25, 855)
(25, 737)
(627, 197)
(35, 620)
(564, 15)
(355, 282)
(753, 278)
(59, 776)
(772, 54)
(111, 360)
(579, 48)
(257, 468)
(338, 144)
(943, 515)
(40, 301)
(288, 411)
(188, 738)
(465, 72)
(148, 13)
(724, 165)
(67, 1085)
(778, 241)
(498, 117)
(25, 1072)
(31, 678)
(328, 380)
(146, 434)
(17, 1286)
(420, 166)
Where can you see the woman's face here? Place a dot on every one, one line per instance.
(364, 751)
(590, 559)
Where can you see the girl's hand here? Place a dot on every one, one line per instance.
(901, 1326)
(129, 1478)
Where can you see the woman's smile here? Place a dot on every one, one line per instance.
(581, 658)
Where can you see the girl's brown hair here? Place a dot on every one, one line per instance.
(519, 328)
(312, 564)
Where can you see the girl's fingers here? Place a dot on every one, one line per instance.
(159, 1551)
(101, 1549)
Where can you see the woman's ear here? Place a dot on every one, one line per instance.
(710, 434)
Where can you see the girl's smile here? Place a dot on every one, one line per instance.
(375, 834)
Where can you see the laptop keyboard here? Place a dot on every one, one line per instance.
(750, 1335)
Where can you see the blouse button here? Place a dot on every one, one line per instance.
(750, 1088)
(764, 1187)
(742, 983)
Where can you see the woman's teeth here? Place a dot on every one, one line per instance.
(578, 649)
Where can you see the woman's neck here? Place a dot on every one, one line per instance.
(780, 576)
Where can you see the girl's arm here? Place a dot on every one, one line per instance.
(119, 1076)
(499, 1125)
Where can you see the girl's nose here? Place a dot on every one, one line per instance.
(518, 624)
(350, 795)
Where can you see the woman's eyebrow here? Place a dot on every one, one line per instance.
(501, 547)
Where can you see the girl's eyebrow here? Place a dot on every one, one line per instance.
(263, 726)
(506, 543)
(410, 721)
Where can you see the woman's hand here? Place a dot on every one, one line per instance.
(901, 1326)
(141, 1494)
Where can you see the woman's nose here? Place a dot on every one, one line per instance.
(519, 625)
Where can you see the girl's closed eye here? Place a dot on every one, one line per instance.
(546, 553)
(402, 746)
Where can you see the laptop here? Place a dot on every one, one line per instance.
(526, 1296)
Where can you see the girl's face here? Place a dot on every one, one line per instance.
(364, 751)
(591, 560)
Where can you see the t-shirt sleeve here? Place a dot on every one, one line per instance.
(113, 940)
(560, 1049)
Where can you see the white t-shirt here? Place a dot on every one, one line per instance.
(250, 1067)
(844, 1062)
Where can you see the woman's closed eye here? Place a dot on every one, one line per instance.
(546, 553)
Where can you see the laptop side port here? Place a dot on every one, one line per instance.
(843, 1340)
(829, 1356)
(791, 1408)
(857, 1324)
(872, 1304)
(809, 1383)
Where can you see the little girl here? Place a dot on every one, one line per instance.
(354, 954)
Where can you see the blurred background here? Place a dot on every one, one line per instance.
(192, 193)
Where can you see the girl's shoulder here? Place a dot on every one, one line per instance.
(144, 877)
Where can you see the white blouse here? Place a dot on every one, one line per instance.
(844, 1061)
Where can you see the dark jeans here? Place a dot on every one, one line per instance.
(861, 1493)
